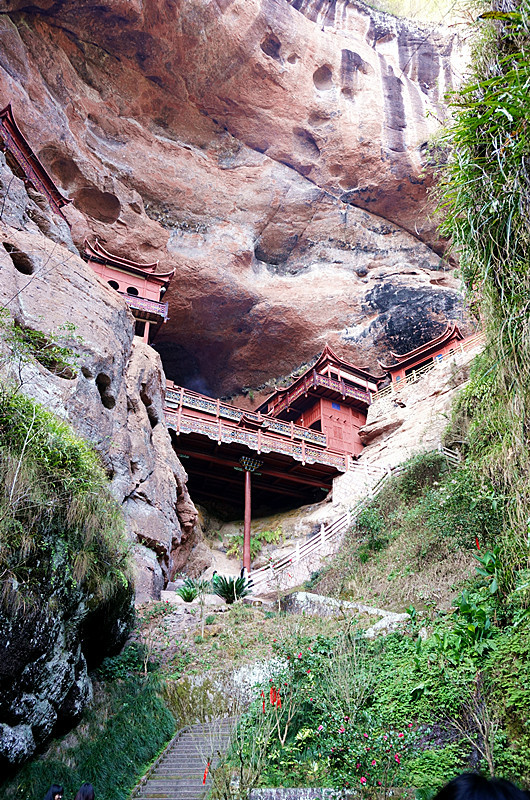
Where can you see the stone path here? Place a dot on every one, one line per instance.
(179, 773)
(321, 605)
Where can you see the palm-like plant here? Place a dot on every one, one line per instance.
(191, 589)
(229, 588)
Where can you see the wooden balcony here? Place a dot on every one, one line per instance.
(188, 412)
(335, 388)
(146, 309)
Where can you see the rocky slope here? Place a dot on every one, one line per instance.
(272, 151)
(115, 401)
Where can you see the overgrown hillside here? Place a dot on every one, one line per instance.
(447, 692)
(66, 588)
(454, 693)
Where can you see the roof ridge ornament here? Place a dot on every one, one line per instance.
(30, 169)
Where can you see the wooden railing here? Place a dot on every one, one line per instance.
(314, 380)
(260, 441)
(319, 541)
(464, 346)
(184, 398)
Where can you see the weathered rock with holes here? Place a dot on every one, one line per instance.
(115, 401)
(271, 151)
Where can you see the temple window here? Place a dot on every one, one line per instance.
(139, 328)
(132, 290)
(336, 406)
(115, 285)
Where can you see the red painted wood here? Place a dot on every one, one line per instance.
(248, 514)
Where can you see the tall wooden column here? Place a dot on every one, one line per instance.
(246, 530)
(249, 465)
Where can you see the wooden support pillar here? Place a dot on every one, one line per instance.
(248, 515)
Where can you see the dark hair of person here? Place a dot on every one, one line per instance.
(86, 792)
(52, 791)
(470, 786)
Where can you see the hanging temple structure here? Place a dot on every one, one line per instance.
(298, 440)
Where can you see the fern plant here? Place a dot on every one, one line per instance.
(191, 589)
(229, 588)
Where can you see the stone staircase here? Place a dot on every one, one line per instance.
(179, 772)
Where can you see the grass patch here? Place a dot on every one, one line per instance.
(414, 542)
(121, 733)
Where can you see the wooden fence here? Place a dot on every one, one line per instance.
(328, 533)
(464, 346)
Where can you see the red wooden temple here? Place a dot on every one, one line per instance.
(24, 163)
(302, 436)
(139, 284)
(443, 345)
(331, 397)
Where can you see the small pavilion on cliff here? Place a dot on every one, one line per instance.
(421, 357)
(331, 397)
(139, 284)
(24, 163)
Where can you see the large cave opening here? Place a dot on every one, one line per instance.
(216, 479)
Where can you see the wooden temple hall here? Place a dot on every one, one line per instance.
(140, 285)
(295, 443)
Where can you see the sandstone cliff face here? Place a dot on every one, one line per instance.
(413, 420)
(272, 151)
(116, 399)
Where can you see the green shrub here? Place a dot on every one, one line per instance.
(121, 733)
(257, 540)
(433, 768)
(126, 664)
(465, 507)
(192, 589)
(420, 472)
(57, 514)
(230, 588)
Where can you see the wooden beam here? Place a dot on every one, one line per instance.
(265, 471)
(265, 487)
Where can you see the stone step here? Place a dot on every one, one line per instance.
(180, 773)
(177, 794)
(175, 790)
